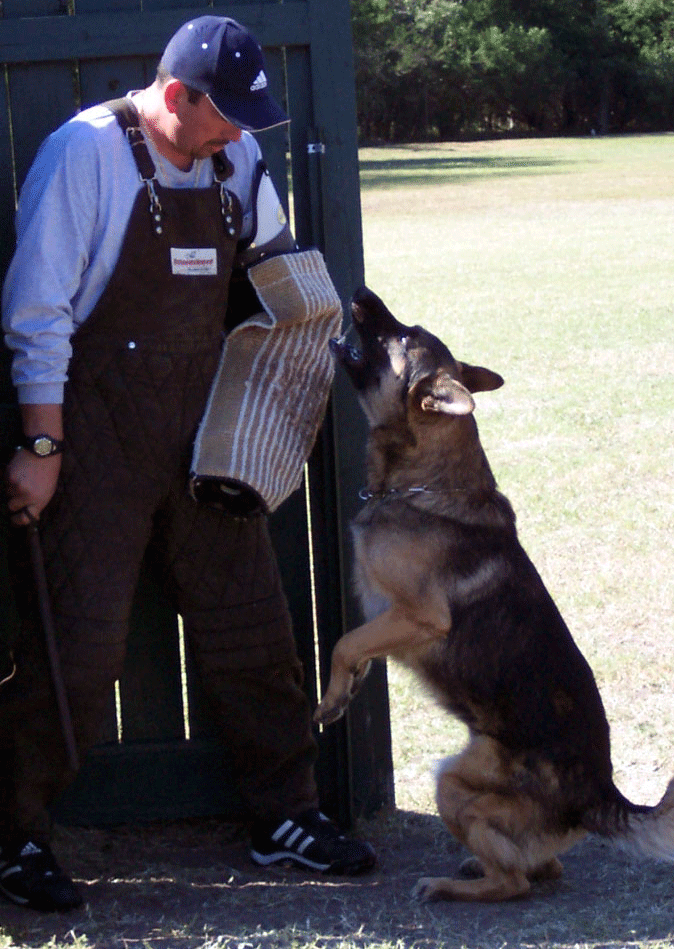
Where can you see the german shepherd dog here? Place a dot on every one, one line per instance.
(436, 548)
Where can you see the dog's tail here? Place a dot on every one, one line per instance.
(639, 830)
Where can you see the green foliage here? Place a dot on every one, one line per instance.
(443, 68)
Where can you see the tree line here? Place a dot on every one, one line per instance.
(445, 69)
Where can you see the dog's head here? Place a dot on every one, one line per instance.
(400, 369)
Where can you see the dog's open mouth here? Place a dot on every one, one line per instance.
(342, 348)
(347, 354)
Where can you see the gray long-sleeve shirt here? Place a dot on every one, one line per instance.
(71, 220)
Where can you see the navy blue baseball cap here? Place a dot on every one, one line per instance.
(219, 57)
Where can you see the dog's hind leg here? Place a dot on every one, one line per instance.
(475, 818)
(550, 870)
(502, 828)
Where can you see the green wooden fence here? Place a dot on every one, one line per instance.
(159, 757)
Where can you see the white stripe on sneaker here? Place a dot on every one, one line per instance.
(293, 837)
(283, 829)
(306, 843)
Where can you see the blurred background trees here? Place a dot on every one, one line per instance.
(439, 69)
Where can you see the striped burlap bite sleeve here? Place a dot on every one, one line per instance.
(269, 394)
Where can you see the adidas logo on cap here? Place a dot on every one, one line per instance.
(260, 82)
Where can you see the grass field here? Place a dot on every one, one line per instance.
(552, 262)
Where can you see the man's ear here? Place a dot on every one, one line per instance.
(174, 93)
(441, 393)
(478, 379)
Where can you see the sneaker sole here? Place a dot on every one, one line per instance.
(284, 856)
(14, 897)
(39, 905)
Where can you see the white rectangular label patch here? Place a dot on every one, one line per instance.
(194, 261)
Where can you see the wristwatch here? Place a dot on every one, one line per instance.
(42, 445)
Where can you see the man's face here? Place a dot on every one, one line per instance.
(201, 131)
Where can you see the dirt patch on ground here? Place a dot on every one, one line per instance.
(191, 884)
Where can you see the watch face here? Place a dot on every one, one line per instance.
(43, 446)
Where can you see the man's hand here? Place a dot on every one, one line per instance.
(31, 483)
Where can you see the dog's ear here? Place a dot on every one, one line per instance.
(478, 379)
(441, 393)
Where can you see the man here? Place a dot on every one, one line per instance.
(116, 332)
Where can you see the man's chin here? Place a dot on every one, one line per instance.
(212, 148)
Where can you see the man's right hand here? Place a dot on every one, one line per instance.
(30, 483)
(30, 480)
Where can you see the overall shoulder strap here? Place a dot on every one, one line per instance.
(129, 121)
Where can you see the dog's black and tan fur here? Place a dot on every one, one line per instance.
(437, 550)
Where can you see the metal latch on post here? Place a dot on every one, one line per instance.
(316, 148)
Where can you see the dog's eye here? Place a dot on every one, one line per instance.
(403, 341)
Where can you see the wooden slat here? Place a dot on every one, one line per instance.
(289, 525)
(185, 5)
(274, 142)
(42, 96)
(222, 7)
(109, 78)
(21, 8)
(88, 35)
(205, 6)
(308, 226)
(368, 738)
(12, 9)
(107, 6)
(333, 768)
(103, 79)
(7, 201)
(146, 782)
(334, 106)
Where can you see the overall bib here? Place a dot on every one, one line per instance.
(139, 378)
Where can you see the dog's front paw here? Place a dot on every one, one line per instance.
(341, 690)
(330, 711)
(357, 677)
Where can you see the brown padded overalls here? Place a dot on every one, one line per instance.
(139, 378)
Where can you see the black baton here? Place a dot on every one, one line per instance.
(50, 638)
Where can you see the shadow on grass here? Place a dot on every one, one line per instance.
(191, 885)
(426, 170)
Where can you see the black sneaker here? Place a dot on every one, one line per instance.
(30, 876)
(311, 840)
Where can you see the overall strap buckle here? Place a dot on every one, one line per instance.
(223, 169)
(227, 208)
(155, 205)
(128, 120)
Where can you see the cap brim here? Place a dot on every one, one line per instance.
(254, 115)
